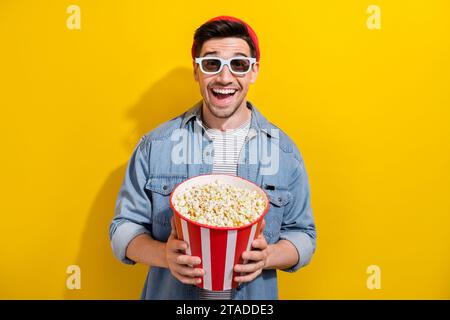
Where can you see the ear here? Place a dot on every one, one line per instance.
(195, 67)
(255, 71)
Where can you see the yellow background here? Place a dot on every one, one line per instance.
(369, 109)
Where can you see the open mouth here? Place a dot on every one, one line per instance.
(222, 94)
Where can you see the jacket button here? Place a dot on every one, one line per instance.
(165, 187)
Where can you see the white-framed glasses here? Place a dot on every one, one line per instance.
(214, 65)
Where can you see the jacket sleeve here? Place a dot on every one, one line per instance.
(298, 223)
(133, 208)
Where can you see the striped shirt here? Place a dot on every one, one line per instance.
(227, 148)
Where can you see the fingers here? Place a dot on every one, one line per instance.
(250, 267)
(186, 273)
(177, 245)
(188, 260)
(181, 265)
(187, 280)
(254, 256)
(248, 277)
(189, 272)
(258, 257)
(259, 243)
(183, 269)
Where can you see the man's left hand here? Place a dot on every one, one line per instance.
(257, 259)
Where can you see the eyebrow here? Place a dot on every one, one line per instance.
(234, 55)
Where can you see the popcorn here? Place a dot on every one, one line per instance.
(220, 204)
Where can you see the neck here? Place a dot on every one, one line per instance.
(242, 115)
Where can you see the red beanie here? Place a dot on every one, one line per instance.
(249, 30)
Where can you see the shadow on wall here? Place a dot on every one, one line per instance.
(102, 275)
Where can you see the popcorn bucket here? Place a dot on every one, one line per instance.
(220, 248)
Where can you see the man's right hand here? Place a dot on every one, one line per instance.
(181, 265)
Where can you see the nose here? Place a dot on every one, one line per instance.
(225, 76)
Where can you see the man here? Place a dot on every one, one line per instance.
(233, 137)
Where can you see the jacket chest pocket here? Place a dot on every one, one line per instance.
(159, 188)
(279, 196)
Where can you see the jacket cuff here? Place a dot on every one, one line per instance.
(122, 236)
(302, 242)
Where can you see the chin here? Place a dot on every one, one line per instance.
(222, 111)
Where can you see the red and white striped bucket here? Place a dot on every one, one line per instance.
(220, 248)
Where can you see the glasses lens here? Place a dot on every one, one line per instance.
(211, 65)
(240, 65)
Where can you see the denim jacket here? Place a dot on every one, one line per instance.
(172, 153)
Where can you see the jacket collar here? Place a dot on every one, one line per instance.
(258, 121)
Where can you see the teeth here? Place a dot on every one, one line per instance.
(224, 91)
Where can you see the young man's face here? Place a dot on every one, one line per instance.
(224, 106)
